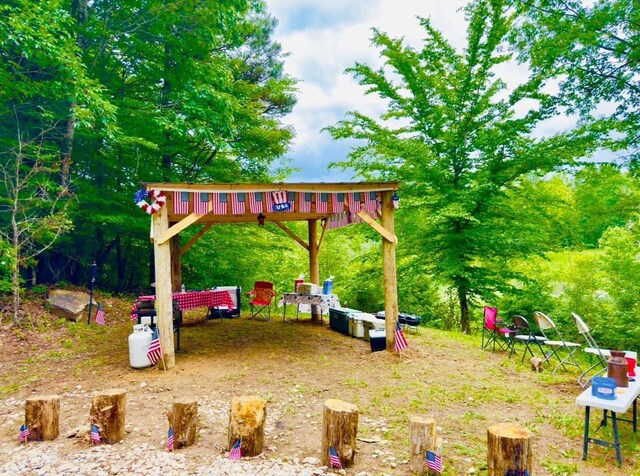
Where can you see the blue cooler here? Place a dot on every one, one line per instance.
(603, 387)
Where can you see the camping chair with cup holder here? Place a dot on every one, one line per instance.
(495, 331)
(261, 298)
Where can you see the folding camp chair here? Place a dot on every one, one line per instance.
(547, 327)
(262, 296)
(495, 331)
(527, 335)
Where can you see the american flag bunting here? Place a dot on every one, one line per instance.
(434, 462)
(95, 435)
(181, 203)
(304, 202)
(353, 201)
(322, 203)
(236, 450)
(99, 315)
(155, 351)
(334, 461)
(24, 433)
(219, 203)
(238, 203)
(337, 205)
(401, 342)
(255, 202)
(291, 198)
(201, 203)
(370, 202)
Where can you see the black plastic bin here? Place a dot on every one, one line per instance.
(339, 319)
(378, 339)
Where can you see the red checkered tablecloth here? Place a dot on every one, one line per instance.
(194, 299)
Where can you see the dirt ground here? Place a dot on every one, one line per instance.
(296, 365)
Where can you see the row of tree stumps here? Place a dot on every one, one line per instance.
(509, 449)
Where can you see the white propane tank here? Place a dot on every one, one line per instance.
(139, 342)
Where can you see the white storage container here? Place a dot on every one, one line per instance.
(357, 323)
(139, 342)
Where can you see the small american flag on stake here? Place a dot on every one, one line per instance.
(155, 351)
(170, 440)
(401, 342)
(99, 315)
(24, 433)
(236, 450)
(334, 461)
(434, 462)
(95, 435)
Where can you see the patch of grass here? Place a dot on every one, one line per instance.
(9, 389)
(356, 383)
(559, 468)
(570, 425)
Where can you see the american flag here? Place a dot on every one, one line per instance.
(291, 198)
(353, 200)
(155, 351)
(322, 203)
(401, 342)
(236, 450)
(337, 205)
(255, 202)
(99, 315)
(434, 462)
(24, 433)
(201, 203)
(170, 440)
(334, 461)
(304, 202)
(219, 203)
(370, 202)
(181, 203)
(238, 203)
(95, 434)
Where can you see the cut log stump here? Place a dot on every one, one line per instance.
(422, 437)
(247, 417)
(108, 411)
(509, 450)
(183, 418)
(42, 417)
(340, 428)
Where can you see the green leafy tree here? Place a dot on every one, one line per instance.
(460, 143)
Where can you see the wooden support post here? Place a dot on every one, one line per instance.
(176, 264)
(164, 304)
(314, 263)
(183, 419)
(42, 417)
(340, 428)
(247, 417)
(422, 437)
(509, 450)
(108, 411)
(389, 270)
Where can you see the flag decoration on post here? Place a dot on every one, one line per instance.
(353, 201)
(322, 203)
(24, 433)
(220, 203)
(255, 202)
(280, 201)
(181, 203)
(170, 440)
(238, 203)
(304, 202)
(155, 351)
(99, 315)
(236, 451)
(291, 198)
(370, 202)
(401, 342)
(201, 203)
(434, 462)
(95, 434)
(334, 461)
(337, 202)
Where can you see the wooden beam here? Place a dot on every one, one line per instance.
(389, 273)
(178, 227)
(292, 235)
(195, 238)
(176, 263)
(324, 230)
(338, 187)
(314, 263)
(387, 235)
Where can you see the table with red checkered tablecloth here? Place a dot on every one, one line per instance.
(193, 299)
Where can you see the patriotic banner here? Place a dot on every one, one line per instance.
(181, 203)
(434, 462)
(401, 342)
(219, 203)
(322, 203)
(236, 450)
(155, 351)
(370, 202)
(353, 201)
(24, 433)
(304, 202)
(334, 461)
(337, 202)
(255, 202)
(95, 435)
(170, 440)
(100, 315)
(280, 203)
(201, 203)
(238, 203)
(291, 198)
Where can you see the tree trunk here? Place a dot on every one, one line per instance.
(464, 308)
(42, 417)
(247, 417)
(340, 428)
(509, 450)
(422, 437)
(108, 411)
(183, 419)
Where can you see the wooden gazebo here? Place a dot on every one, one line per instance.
(321, 205)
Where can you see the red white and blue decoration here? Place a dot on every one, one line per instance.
(236, 450)
(434, 462)
(280, 201)
(334, 461)
(158, 199)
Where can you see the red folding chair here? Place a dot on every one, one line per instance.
(496, 332)
(262, 297)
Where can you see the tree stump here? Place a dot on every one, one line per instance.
(108, 411)
(42, 417)
(247, 417)
(183, 419)
(340, 428)
(509, 450)
(422, 437)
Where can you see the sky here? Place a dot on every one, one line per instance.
(323, 39)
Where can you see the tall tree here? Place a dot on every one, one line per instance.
(459, 142)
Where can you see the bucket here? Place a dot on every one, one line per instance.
(139, 342)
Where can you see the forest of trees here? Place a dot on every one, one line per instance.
(96, 97)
